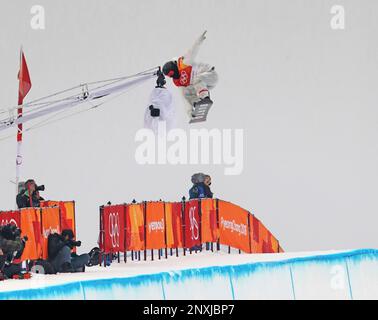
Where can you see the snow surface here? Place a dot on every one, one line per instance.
(134, 268)
(210, 275)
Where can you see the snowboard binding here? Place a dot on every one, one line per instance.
(200, 110)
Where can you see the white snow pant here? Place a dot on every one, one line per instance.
(202, 83)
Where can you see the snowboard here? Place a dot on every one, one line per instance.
(200, 110)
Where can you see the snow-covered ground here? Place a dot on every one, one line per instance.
(331, 274)
(135, 268)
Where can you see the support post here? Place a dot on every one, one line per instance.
(217, 214)
(145, 227)
(183, 225)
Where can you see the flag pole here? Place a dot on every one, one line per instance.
(24, 85)
(19, 131)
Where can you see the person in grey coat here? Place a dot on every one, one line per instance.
(60, 247)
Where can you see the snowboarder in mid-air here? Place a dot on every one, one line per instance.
(196, 79)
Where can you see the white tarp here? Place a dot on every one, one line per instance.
(161, 99)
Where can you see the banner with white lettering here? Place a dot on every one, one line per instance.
(155, 225)
(114, 226)
(233, 226)
(192, 224)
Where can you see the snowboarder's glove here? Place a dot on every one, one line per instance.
(155, 112)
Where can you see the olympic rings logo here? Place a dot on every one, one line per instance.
(183, 78)
(193, 224)
(10, 221)
(114, 227)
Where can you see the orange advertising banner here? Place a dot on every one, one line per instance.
(209, 229)
(67, 213)
(158, 225)
(135, 227)
(173, 223)
(67, 219)
(155, 225)
(50, 224)
(233, 226)
(31, 227)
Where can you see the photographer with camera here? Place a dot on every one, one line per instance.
(11, 247)
(29, 196)
(59, 253)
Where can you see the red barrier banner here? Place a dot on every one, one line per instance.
(192, 224)
(256, 243)
(50, 224)
(158, 225)
(114, 226)
(155, 225)
(262, 240)
(233, 226)
(31, 227)
(10, 217)
(67, 216)
(67, 213)
(209, 229)
(173, 222)
(135, 227)
(269, 243)
(102, 234)
(275, 244)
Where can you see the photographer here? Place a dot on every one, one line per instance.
(59, 252)
(11, 247)
(29, 196)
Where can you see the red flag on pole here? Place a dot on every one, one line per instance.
(24, 78)
(23, 89)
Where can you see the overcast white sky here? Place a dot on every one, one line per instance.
(304, 94)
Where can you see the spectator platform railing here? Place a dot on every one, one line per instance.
(141, 228)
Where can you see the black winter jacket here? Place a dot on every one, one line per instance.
(55, 243)
(23, 201)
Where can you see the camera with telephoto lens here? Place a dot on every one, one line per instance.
(40, 188)
(160, 82)
(75, 243)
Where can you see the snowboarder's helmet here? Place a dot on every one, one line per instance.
(170, 69)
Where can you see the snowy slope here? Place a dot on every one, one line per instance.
(218, 275)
